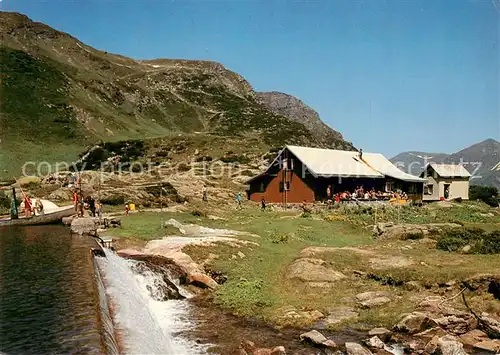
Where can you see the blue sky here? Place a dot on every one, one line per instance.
(389, 75)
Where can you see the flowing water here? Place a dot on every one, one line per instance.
(146, 324)
(47, 292)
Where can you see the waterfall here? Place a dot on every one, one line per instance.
(147, 323)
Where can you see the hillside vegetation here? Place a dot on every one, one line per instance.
(59, 96)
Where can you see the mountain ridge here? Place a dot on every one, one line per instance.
(481, 159)
(61, 95)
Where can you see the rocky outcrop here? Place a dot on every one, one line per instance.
(293, 108)
(314, 271)
(391, 230)
(338, 315)
(85, 226)
(187, 270)
(373, 299)
(414, 323)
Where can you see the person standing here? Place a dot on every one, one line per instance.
(99, 209)
(39, 206)
(127, 209)
(263, 204)
(75, 201)
(27, 206)
(92, 206)
(204, 193)
(329, 192)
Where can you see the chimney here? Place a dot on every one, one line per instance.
(361, 154)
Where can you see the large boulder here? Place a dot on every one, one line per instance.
(415, 322)
(403, 231)
(85, 226)
(313, 270)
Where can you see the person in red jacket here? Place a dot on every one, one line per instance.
(27, 206)
(75, 201)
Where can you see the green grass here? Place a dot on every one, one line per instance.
(257, 286)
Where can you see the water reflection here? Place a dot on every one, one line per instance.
(47, 297)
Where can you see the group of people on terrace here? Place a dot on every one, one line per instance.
(361, 194)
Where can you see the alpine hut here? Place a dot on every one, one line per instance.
(304, 174)
(445, 181)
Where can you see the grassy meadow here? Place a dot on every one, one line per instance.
(257, 284)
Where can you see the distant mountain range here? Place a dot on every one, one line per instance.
(482, 160)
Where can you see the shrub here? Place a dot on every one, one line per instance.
(487, 194)
(113, 200)
(184, 167)
(203, 158)
(479, 241)
(4, 203)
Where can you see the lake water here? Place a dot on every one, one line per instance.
(47, 293)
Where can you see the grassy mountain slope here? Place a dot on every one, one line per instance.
(59, 95)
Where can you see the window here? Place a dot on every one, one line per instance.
(388, 186)
(412, 189)
(429, 189)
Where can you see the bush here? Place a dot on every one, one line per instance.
(479, 241)
(4, 203)
(113, 200)
(487, 194)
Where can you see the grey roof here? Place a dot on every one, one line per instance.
(449, 170)
(330, 162)
(383, 165)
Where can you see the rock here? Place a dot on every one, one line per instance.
(473, 337)
(457, 324)
(373, 299)
(85, 226)
(429, 334)
(338, 315)
(312, 270)
(492, 346)
(466, 249)
(382, 333)
(415, 322)
(62, 194)
(248, 348)
(490, 325)
(402, 231)
(356, 349)
(412, 286)
(449, 345)
(202, 280)
(374, 343)
(241, 255)
(316, 338)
